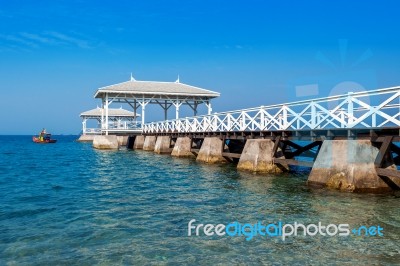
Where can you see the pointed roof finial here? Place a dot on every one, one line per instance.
(177, 81)
(132, 78)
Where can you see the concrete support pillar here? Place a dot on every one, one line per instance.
(86, 138)
(122, 140)
(108, 142)
(348, 165)
(163, 145)
(149, 143)
(257, 157)
(139, 142)
(211, 151)
(182, 147)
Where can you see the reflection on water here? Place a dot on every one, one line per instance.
(71, 204)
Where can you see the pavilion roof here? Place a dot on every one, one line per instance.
(116, 112)
(157, 89)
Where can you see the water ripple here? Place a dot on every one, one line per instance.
(69, 204)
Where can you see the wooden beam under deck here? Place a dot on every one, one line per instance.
(231, 155)
(388, 172)
(293, 162)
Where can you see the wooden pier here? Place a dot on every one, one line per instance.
(348, 141)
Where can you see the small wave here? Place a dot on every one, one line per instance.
(57, 187)
(24, 213)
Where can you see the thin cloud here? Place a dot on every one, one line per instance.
(18, 40)
(38, 38)
(24, 41)
(69, 39)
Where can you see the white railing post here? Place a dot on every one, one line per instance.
(243, 121)
(262, 118)
(313, 115)
(215, 123)
(284, 117)
(373, 122)
(342, 118)
(350, 110)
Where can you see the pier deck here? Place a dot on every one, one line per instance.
(349, 139)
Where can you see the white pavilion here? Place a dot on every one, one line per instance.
(138, 94)
(119, 120)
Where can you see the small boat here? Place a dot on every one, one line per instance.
(44, 139)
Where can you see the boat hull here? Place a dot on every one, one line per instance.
(45, 141)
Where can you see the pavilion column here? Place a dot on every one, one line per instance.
(166, 111)
(194, 106)
(107, 103)
(177, 111)
(99, 124)
(102, 115)
(135, 110)
(143, 112)
(119, 122)
(84, 126)
(195, 109)
(208, 104)
(165, 106)
(177, 105)
(143, 103)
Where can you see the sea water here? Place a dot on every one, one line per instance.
(67, 203)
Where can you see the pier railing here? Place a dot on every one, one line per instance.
(367, 109)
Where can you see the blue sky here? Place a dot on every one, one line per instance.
(55, 54)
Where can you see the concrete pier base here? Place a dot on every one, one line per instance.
(149, 143)
(348, 165)
(182, 147)
(122, 140)
(109, 142)
(163, 145)
(139, 142)
(257, 157)
(211, 151)
(86, 138)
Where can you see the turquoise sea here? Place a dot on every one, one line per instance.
(68, 204)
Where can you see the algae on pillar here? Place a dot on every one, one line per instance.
(257, 157)
(211, 151)
(108, 142)
(348, 165)
(149, 143)
(182, 147)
